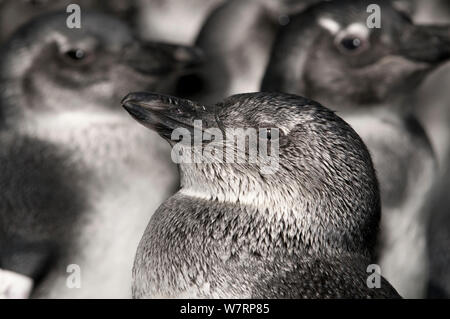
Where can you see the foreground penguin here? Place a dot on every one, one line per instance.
(72, 164)
(328, 53)
(302, 228)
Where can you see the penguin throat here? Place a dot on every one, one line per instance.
(214, 182)
(305, 220)
(101, 141)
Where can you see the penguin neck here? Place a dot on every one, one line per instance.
(272, 207)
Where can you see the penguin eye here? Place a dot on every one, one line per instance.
(271, 134)
(351, 44)
(77, 56)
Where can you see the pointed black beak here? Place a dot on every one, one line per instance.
(429, 44)
(164, 114)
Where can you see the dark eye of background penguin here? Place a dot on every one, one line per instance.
(244, 234)
(69, 156)
(329, 54)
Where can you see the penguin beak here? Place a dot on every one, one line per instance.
(164, 114)
(429, 44)
(154, 58)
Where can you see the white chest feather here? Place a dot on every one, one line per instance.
(131, 175)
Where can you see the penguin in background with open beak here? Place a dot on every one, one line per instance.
(367, 73)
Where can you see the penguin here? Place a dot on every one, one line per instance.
(304, 229)
(14, 13)
(436, 119)
(68, 153)
(335, 53)
(236, 39)
(438, 285)
(173, 20)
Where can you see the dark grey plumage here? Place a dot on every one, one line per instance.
(68, 151)
(329, 54)
(234, 232)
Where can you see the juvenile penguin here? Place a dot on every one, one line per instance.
(436, 119)
(439, 238)
(236, 39)
(71, 162)
(304, 229)
(329, 53)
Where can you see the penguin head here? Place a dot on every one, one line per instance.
(51, 66)
(354, 53)
(323, 171)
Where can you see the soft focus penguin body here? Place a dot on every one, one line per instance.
(69, 152)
